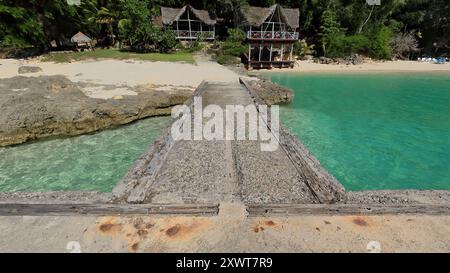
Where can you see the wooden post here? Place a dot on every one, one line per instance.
(290, 54)
(178, 31)
(249, 57)
(260, 51)
(282, 52)
(270, 56)
(189, 23)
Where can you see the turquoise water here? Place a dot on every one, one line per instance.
(94, 162)
(374, 131)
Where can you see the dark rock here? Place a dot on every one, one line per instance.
(354, 59)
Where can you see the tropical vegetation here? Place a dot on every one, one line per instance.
(331, 28)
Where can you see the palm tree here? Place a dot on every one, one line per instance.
(105, 19)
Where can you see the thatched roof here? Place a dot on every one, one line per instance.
(80, 37)
(169, 15)
(255, 16)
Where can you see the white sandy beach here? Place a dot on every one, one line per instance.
(388, 66)
(164, 76)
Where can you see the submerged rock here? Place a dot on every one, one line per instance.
(272, 93)
(39, 107)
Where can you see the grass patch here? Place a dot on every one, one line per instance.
(65, 57)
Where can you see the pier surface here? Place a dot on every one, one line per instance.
(215, 171)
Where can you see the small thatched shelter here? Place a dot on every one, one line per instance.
(188, 23)
(81, 41)
(271, 33)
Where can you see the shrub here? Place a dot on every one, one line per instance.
(380, 38)
(232, 47)
(374, 43)
(227, 59)
(302, 49)
(165, 40)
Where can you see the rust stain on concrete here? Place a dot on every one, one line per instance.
(130, 230)
(265, 224)
(172, 231)
(134, 247)
(184, 228)
(109, 226)
(360, 222)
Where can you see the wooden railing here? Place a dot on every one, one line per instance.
(186, 34)
(272, 35)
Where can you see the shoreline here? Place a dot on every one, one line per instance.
(369, 67)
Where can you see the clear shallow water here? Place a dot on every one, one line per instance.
(94, 162)
(374, 131)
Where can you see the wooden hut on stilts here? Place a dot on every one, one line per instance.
(188, 23)
(271, 34)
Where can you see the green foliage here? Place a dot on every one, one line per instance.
(17, 29)
(330, 31)
(343, 45)
(374, 43)
(337, 27)
(233, 45)
(380, 38)
(198, 44)
(227, 59)
(165, 40)
(302, 49)
(64, 57)
(136, 31)
(232, 48)
(134, 25)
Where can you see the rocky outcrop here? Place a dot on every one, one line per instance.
(45, 106)
(354, 59)
(272, 93)
(29, 69)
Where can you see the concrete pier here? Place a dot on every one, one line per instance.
(202, 171)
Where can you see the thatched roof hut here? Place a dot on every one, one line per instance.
(82, 41)
(80, 38)
(256, 16)
(187, 22)
(169, 15)
(271, 33)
